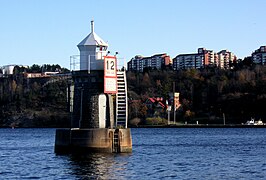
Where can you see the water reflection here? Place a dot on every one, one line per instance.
(100, 166)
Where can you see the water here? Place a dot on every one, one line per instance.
(157, 154)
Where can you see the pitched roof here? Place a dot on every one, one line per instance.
(162, 104)
(157, 101)
(92, 39)
(152, 100)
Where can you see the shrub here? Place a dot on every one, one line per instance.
(134, 121)
(156, 121)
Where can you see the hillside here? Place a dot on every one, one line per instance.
(206, 96)
(33, 102)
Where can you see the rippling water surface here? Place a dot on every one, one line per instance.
(157, 154)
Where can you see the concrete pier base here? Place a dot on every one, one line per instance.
(102, 140)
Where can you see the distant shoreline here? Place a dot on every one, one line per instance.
(161, 126)
(201, 126)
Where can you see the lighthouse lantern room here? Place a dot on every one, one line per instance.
(92, 51)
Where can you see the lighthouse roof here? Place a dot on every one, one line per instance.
(92, 39)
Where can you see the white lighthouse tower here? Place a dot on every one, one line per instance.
(98, 122)
(92, 51)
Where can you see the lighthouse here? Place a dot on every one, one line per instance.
(99, 108)
(92, 51)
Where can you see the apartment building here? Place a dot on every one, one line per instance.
(259, 56)
(195, 60)
(204, 58)
(225, 58)
(208, 56)
(187, 61)
(135, 63)
(158, 61)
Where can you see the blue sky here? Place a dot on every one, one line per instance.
(47, 31)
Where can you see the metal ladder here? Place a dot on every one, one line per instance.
(116, 142)
(121, 100)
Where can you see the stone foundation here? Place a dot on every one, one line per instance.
(93, 140)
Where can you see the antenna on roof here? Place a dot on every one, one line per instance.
(92, 25)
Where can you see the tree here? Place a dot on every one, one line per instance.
(137, 109)
(247, 61)
(189, 115)
(35, 69)
(19, 70)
